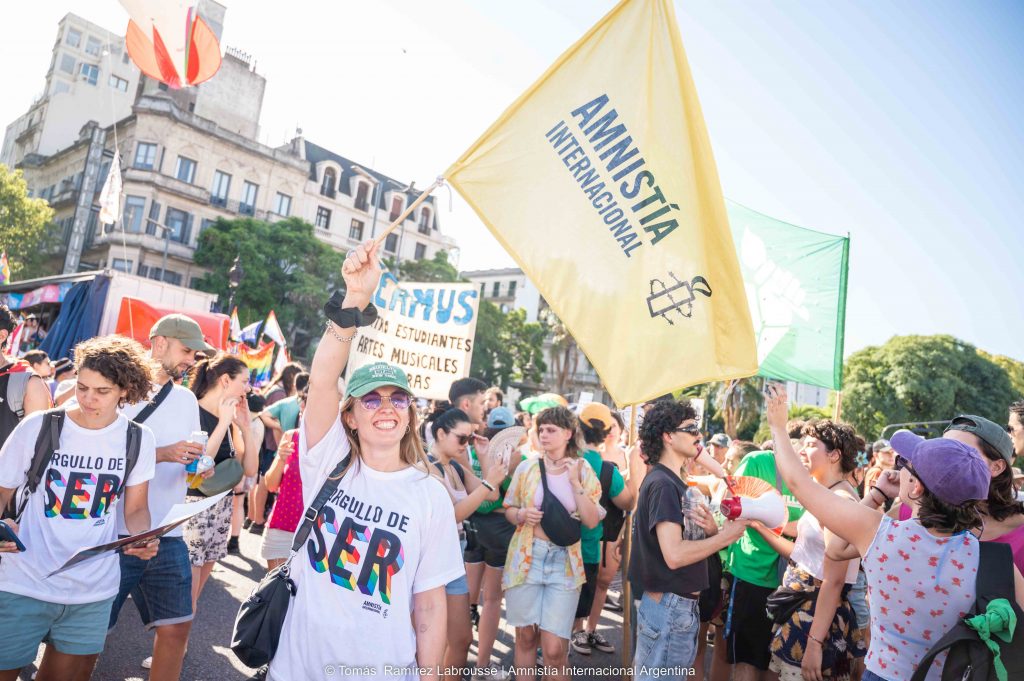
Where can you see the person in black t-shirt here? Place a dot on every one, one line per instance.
(671, 570)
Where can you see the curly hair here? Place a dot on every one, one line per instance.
(120, 360)
(7, 323)
(563, 418)
(795, 428)
(662, 417)
(838, 436)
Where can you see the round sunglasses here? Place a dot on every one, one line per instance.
(373, 401)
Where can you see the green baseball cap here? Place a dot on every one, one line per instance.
(184, 329)
(995, 435)
(368, 378)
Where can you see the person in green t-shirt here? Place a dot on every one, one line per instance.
(596, 421)
(753, 564)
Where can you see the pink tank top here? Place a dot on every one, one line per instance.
(562, 489)
(1015, 538)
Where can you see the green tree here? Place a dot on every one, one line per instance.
(26, 227)
(921, 378)
(286, 269)
(738, 403)
(1013, 368)
(436, 270)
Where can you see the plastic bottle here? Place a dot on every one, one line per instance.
(199, 437)
(692, 499)
(203, 464)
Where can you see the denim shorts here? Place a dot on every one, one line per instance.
(859, 601)
(457, 587)
(160, 587)
(871, 676)
(70, 629)
(548, 597)
(666, 637)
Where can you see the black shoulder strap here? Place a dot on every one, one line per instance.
(607, 473)
(46, 443)
(157, 400)
(460, 471)
(326, 492)
(132, 448)
(543, 477)
(995, 573)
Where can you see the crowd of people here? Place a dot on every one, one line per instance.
(427, 534)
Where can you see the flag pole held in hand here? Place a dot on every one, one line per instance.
(412, 206)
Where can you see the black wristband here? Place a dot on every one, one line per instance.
(348, 317)
(885, 496)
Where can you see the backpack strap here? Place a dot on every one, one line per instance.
(326, 492)
(995, 573)
(46, 444)
(606, 477)
(157, 401)
(459, 471)
(132, 448)
(17, 384)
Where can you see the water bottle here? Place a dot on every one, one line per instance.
(691, 500)
(203, 464)
(199, 437)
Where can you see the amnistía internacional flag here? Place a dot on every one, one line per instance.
(600, 182)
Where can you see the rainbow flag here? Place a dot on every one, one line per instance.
(5, 269)
(260, 362)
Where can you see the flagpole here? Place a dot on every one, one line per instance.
(412, 206)
(627, 595)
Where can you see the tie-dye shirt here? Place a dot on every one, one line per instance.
(523, 493)
(920, 586)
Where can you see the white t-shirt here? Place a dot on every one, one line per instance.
(173, 421)
(70, 510)
(382, 538)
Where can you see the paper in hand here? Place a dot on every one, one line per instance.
(178, 514)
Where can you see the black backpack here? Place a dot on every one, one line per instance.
(969, 657)
(615, 517)
(46, 443)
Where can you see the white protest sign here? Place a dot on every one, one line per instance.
(426, 329)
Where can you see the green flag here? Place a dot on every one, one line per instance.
(796, 286)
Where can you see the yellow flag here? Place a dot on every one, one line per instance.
(600, 182)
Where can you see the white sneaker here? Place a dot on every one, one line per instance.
(147, 663)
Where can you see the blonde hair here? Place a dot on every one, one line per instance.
(410, 450)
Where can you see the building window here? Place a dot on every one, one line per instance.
(391, 243)
(93, 46)
(90, 73)
(396, 208)
(178, 222)
(249, 192)
(61, 87)
(145, 155)
(67, 64)
(283, 204)
(511, 289)
(74, 38)
(421, 251)
(134, 211)
(362, 190)
(329, 182)
(122, 265)
(323, 217)
(156, 273)
(118, 83)
(206, 222)
(356, 230)
(124, 57)
(496, 290)
(185, 169)
(221, 186)
(425, 221)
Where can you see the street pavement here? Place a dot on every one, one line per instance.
(210, 659)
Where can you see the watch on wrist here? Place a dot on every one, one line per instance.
(348, 317)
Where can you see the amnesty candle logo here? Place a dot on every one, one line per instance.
(600, 182)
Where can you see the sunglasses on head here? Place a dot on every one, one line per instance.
(373, 401)
(689, 430)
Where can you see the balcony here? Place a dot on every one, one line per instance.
(329, 192)
(245, 209)
(219, 201)
(166, 183)
(150, 242)
(363, 205)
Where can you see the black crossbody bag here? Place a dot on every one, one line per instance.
(558, 524)
(261, 617)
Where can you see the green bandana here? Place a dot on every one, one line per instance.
(998, 619)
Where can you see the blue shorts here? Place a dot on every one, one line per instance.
(70, 629)
(548, 598)
(160, 587)
(457, 587)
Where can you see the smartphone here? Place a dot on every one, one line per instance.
(7, 534)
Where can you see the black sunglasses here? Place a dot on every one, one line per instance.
(463, 439)
(902, 462)
(690, 430)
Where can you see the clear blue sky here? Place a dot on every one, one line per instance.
(894, 122)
